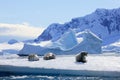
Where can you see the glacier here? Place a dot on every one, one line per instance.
(67, 44)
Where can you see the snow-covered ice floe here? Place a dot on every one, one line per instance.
(97, 65)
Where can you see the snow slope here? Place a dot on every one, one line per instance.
(105, 23)
(97, 65)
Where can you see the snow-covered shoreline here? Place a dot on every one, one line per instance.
(97, 65)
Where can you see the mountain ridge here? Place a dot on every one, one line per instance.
(105, 23)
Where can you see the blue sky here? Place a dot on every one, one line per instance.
(41, 13)
(44, 12)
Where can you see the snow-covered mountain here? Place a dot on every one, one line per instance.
(105, 23)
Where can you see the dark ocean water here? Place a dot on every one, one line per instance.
(41, 77)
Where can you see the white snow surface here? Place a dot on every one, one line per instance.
(16, 46)
(11, 48)
(99, 65)
(42, 43)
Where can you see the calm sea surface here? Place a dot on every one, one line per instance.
(41, 77)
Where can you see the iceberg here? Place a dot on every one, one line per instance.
(30, 48)
(114, 47)
(12, 41)
(67, 44)
(91, 43)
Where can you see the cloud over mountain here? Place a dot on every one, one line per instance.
(20, 30)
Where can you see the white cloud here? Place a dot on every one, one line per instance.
(20, 30)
